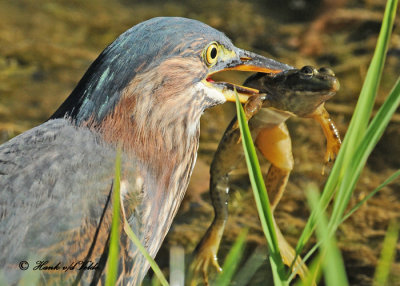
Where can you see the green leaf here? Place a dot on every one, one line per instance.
(157, 271)
(314, 274)
(387, 255)
(332, 262)
(252, 264)
(113, 255)
(357, 137)
(359, 158)
(261, 197)
(355, 208)
(232, 260)
(370, 195)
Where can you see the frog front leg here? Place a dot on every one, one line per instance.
(331, 133)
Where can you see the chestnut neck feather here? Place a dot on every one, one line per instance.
(157, 120)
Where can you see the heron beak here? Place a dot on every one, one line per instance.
(243, 61)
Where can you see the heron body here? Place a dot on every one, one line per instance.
(145, 93)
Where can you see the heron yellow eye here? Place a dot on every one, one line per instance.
(211, 54)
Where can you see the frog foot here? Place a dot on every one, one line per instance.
(201, 262)
(332, 150)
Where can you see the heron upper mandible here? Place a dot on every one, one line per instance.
(145, 93)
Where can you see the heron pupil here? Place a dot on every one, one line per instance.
(213, 53)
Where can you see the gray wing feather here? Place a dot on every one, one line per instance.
(54, 180)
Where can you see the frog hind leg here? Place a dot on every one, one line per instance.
(227, 156)
(275, 145)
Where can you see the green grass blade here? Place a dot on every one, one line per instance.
(368, 142)
(155, 281)
(3, 280)
(252, 264)
(387, 255)
(314, 274)
(373, 134)
(113, 255)
(157, 271)
(305, 259)
(355, 208)
(332, 262)
(359, 120)
(363, 109)
(30, 276)
(232, 260)
(371, 194)
(372, 80)
(260, 195)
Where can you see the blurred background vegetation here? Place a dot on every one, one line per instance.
(46, 46)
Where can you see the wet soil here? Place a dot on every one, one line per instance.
(45, 47)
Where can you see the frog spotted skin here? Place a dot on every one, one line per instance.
(290, 93)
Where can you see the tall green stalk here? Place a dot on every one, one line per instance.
(361, 138)
(261, 197)
(113, 256)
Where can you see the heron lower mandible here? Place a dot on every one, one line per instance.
(145, 93)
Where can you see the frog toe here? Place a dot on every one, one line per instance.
(216, 264)
(201, 264)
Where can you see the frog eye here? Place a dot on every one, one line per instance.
(211, 54)
(307, 70)
(326, 71)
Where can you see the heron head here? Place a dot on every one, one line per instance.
(168, 59)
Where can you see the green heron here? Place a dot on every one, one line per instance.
(145, 94)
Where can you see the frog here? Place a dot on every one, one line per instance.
(291, 93)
